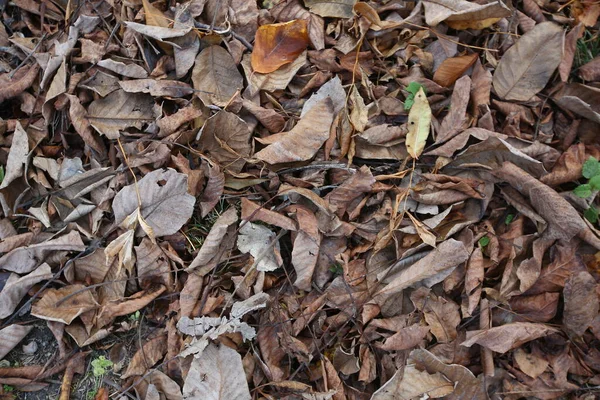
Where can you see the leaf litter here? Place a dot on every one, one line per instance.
(300, 199)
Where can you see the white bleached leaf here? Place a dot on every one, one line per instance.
(261, 243)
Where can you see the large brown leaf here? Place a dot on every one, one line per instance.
(215, 76)
(278, 44)
(506, 337)
(11, 336)
(79, 300)
(16, 287)
(148, 355)
(304, 140)
(581, 302)
(527, 66)
(165, 203)
(225, 138)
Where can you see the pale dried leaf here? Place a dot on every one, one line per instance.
(215, 76)
(581, 302)
(12, 336)
(527, 66)
(223, 373)
(419, 120)
(261, 243)
(16, 287)
(166, 204)
(78, 302)
(509, 336)
(17, 156)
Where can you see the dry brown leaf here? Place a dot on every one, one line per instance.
(17, 156)
(214, 188)
(144, 358)
(509, 336)
(441, 314)
(306, 246)
(590, 71)
(120, 110)
(216, 77)
(152, 265)
(304, 140)
(527, 66)
(581, 302)
(120, 307)
(253, 212)
(23, 260)
(564, 222)
(452, 68)
(213, 242)
(530, 364)
(12, 336)
(464, 14)
(473, 282)
(277, 80)
(455, 121)
(78, 301)
(222, 372)
(442, 260)
(163, 88)
(16, 287)
(278, 44)
(262, 244)
(225, 138)
(289, 10)
(128, 70)
(13, 86)
(415, 383)
(82, 126)
(165, 203)
(566, 63)
(405, 338)
(331, 8)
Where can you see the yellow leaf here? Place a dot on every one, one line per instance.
(419, 120)
(426, 236)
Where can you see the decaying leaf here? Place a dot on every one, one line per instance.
(262, 244)
(12, 336)
(16, 287)
(120, 110)
(419, 120)
(222, 372)
(581, 302)
(527, 66)
(165, 203)
(74, 301)
(509, 336)
(303, 141)
(278, 44)
(215, 76)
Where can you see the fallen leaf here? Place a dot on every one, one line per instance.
(455, 121)
(120, 110)
(253, 212)
(509, 336)
(12, 86)
(419, 120)
(128, 70)
(216, 77)
(590, 71)
(530, 364)
(225, 138)
(17, 156)
(25, 259)
(162, 88)
(74, 301)
(452, 68)
(331, 8)
(158, 32)
(16, 287)
(222, 375)
(581, 302)
(12, 336)
(145, 357)
(305, 253)
(516, 79)
(415, 383)
(278, 44)
(262, 244)
(303, 141)
(128, 305)
(463, 13)
(165, 202)
(443, 259)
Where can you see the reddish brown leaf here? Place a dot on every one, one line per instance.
(278, 44)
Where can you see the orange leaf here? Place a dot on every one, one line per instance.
(278, 44)
(452, 68)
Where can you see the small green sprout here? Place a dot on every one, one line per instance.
(509, 218)
(100, 366)
(336, 269)
(484, 241)
(135, 316)
(412, 89)
(591, 171)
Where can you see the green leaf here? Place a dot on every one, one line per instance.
(591, 214)
(595, 182)
(484, 241)
(1, 173)
(100, 365)
(591, 168)
(509, 218)
(583, 191)
(408, 103)
(414, 87)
